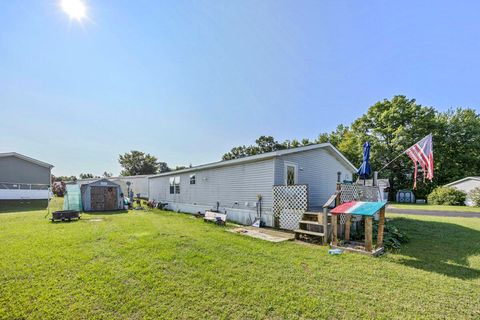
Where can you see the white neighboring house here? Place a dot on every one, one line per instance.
(466, 185)
(139, 184)
(233, 186)
(22, 177)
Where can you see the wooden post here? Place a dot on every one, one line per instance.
(334, 230)
(381, 224)
(368, 234)
(325, 225)
(347, 226)
(338, 192)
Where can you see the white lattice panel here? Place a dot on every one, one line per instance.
(343, 218)
(289, 205)
(289, 219)
(350, 192)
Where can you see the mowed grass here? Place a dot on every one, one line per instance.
(160, 264)
(432, 207)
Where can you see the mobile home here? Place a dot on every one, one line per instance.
(466, 185)
(22, 177)
(239, 186)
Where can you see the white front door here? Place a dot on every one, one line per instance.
(290, 174)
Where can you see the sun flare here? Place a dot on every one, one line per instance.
(75, 9)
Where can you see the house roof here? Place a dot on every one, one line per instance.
(23, 157)
(264, 156)
(117, 177)
(101, 181)
(461, 180)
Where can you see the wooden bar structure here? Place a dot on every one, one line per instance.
(368, 234)
(381, 226)
(334, 230)
(326, 226)
(367, 210)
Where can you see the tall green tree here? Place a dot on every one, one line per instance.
(268, 144)
(64, 178)
(457, 147)
(107, 174)
(137, 163)
(394, 125)
(262, 144)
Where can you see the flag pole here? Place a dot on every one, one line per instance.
(393, 160)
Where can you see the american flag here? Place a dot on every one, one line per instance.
(422, 153)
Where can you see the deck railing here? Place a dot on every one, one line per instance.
(23, 186)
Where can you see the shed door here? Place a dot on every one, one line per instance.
(111, 198)
(103, 198)
(408, 197)
(97, 198)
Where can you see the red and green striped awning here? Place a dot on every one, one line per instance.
(359, 208)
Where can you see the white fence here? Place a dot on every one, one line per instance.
(20, 191)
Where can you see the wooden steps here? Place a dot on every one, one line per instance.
(315, 223)
(311, 228)
(312, 233)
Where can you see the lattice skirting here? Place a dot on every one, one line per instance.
(289, 219)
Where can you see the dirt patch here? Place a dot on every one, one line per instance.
(264, 234)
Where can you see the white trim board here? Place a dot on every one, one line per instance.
(263, 156)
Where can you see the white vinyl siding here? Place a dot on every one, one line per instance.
(318, 169)
(235, 186)
(466, 186)
(15, 170)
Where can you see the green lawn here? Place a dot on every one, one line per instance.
(159, 264)
(433, 207)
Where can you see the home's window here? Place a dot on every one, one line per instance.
(192, 179)
(174, 185)
(290, 174)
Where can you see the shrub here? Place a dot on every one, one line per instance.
(447, 196)
(393, 237)
(474, 196)
(58, 188)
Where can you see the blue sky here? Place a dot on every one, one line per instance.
(187, 80)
